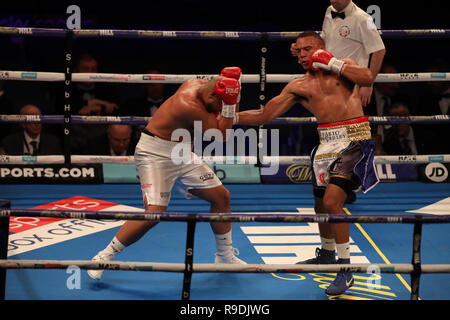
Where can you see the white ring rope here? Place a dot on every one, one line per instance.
(179, 78)
(302, 160)
(222, 268)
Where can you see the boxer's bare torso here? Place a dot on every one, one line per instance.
(195, 100)
(331, 97)
(180, 110)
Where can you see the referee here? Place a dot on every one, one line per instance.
(349, 32)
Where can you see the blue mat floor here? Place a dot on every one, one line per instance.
(274, 243)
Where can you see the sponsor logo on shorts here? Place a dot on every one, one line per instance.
(336, 167)
(333, 135)
(164, 195)
(321, 177)
(207, 176)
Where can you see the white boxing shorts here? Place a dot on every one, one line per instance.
(158, 171)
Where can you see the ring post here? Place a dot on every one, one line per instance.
(189, 257)
(4, 232)
(416, 260)
(262, 91)
(67, 95)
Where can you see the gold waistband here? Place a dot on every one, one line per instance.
(329, 155)
(346, 132)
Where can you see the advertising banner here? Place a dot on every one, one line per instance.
(300, 173)
(51, 173)
(227, 173)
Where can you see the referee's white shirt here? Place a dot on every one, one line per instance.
(354, 37)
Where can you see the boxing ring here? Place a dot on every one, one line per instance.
(265, 232)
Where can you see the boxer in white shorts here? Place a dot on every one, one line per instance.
(158, 170)
(195, 100)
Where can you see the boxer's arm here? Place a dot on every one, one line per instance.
(195, 114)
(274, 108)
(322, 59)
(228, 90)
(377, 61)
(357, 74)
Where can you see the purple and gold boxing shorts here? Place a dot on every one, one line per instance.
(344, 156)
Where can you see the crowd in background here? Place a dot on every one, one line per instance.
(391, 99)
(204, 57)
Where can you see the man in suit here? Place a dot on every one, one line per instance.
(384, 95)
(31, 140)
(148, 103)
(90, 98)
(436, 101)
(399, 138)
(7, 106)
(118, 141)
(405, 139)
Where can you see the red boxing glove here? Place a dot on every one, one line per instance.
(322, 59)
(232, 72)
(228, 90)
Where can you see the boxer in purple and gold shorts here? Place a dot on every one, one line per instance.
(343, 161)
(344, 157)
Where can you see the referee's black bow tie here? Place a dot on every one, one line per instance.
(335, 14)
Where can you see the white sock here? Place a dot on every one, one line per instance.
(343, 250)
(224, 243)
(114, 247)
(328, 244)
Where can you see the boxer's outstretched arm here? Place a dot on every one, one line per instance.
(274, 108)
